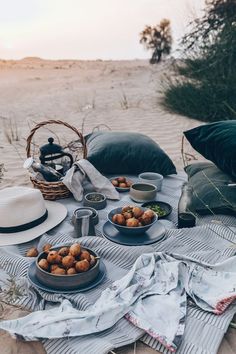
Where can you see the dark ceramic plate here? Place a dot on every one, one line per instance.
(34, 281)
(165, 206)
(154, 234)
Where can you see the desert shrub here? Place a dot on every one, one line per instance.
(158, 39)
(202, 84)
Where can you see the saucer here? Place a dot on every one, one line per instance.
(34, 281)
(152, 235)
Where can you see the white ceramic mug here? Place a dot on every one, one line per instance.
(152, 178)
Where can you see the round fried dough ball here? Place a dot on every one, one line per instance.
(47, 247)
(115, 183)
(71, 271)
(82, 266)
(43, 264)
(128, 214)
(145, 220)
(75, 249)
(149, 213)
(132, 222)
(85, 255)
(121, 179)
(123, 185)
(53, 267)
(68, 261)
(137, 212)
(118, 219)
(127, 208)
(64, 251)
(53, 257)
(32, 252)
(59, 271)
(128, 183)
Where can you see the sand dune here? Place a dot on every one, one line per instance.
(123, 95)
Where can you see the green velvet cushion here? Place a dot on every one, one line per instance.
(210, 188)
(217, 143)
(127, 153)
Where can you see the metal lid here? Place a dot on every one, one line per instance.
(51, 148)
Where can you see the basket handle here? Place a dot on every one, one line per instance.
(52, 121)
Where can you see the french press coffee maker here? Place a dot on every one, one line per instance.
(53, 155)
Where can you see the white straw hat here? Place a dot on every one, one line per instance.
(25, 215)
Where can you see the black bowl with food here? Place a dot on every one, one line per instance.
(67, 267)
(162, 209)
(132, 220)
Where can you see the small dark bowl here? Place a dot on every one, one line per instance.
(119, 189)
(165, 206)
(66, 282)
(130, 230)
(96, 204)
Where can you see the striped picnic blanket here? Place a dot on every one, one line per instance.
(213, 240)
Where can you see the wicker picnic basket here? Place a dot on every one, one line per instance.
(53, 190)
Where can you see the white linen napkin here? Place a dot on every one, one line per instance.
(152, 295)
(83, 169)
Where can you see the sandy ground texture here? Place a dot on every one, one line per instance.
(121, 95)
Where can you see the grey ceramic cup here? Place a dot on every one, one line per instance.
(94, 216)
(83, 223)
(153, 178)
(143, 192)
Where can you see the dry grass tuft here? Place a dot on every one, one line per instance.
(11, 131)
(124, 103)
(1, 170)
(12, 290)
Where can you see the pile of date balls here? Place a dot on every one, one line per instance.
(133, 216)
(68, 260)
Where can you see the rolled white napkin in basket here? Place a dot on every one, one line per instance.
(83, 169)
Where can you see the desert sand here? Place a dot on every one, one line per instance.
(120, 95)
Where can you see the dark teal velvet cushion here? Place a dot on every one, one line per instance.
(217, 143)
(127, 153)
(211, 192)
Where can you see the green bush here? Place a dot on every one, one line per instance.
(203, 84)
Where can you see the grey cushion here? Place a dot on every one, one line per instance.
(210, 188)
(127, 153)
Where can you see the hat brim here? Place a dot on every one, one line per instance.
(56, 213)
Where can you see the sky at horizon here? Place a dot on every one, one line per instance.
(87, 29)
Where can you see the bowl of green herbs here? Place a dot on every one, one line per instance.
(162, 209)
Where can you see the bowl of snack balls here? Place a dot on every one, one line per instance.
(67, 267)
(122, 184)
(132, 220)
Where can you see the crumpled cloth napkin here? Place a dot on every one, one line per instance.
(152, 295)
(83, 169)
